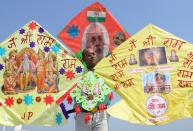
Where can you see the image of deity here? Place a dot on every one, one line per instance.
(152, 56)
(173, 56)
(132, 60)
(40, 70)
(51, 76)
(156, 82)
(10, 74)
(26, 72)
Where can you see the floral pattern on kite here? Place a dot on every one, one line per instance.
(90, 91)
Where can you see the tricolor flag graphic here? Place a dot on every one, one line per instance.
(96, 16)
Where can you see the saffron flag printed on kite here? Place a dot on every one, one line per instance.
(152, 71)
(35, 70)
(93, 26)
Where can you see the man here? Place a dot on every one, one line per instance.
(95, 37)
(97, 41)
(90, 58)
(97, 118)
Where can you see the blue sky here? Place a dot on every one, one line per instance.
(171, 15)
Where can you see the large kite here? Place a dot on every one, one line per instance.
(35, 70)
(37, 73)
(152, 72)
(93, 26)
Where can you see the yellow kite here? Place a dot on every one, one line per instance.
(35, 71)
(152, 72)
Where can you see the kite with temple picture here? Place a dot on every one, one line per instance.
(152, 72)
(92, 34)
(33, 75)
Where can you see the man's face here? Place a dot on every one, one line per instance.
(97, 41)
(90, 57)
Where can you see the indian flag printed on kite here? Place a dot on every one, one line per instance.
(93, 27)
(152, 71)
(35, 70)
(96, 16)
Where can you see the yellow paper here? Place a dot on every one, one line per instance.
(152, 72)
(35, 70)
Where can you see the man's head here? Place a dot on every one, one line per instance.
(98, 42)
(89, 57)
(95, 38)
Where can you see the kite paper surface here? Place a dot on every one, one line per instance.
(152, 71)
(90, 91)
(93, 26)
(35, 70)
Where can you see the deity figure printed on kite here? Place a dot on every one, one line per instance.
(174, 57)
(132, 60)
(51, 79)
(40, 70)
(26, 73)
(96, 36)
(157, 83)
(148, 87)
(150, 57)
(161, 83)
(10, 74)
